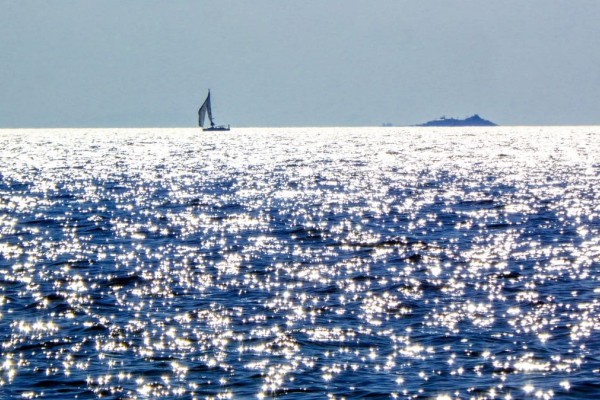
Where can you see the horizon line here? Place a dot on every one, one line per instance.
(290, 126)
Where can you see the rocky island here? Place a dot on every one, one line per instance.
(475, 120)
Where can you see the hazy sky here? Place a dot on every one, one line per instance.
(298, 63)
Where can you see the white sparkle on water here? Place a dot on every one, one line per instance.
(340, 262)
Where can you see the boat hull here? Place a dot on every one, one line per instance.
(216, 128)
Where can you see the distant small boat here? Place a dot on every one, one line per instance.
(203, 111)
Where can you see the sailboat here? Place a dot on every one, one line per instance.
(203, 111)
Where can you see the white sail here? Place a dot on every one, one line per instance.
(201, 115)
(205, 109)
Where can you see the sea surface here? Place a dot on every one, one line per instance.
(305, 263)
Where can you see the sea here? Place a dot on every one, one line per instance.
(300, 263)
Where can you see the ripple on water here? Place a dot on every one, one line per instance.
(300, 263)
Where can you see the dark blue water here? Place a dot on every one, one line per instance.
(300, 263)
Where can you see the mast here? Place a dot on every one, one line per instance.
(209, 110)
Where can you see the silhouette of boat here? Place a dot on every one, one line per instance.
(206, 109)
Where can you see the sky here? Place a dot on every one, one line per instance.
(145, 63)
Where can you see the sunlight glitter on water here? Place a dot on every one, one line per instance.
(300, 263)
